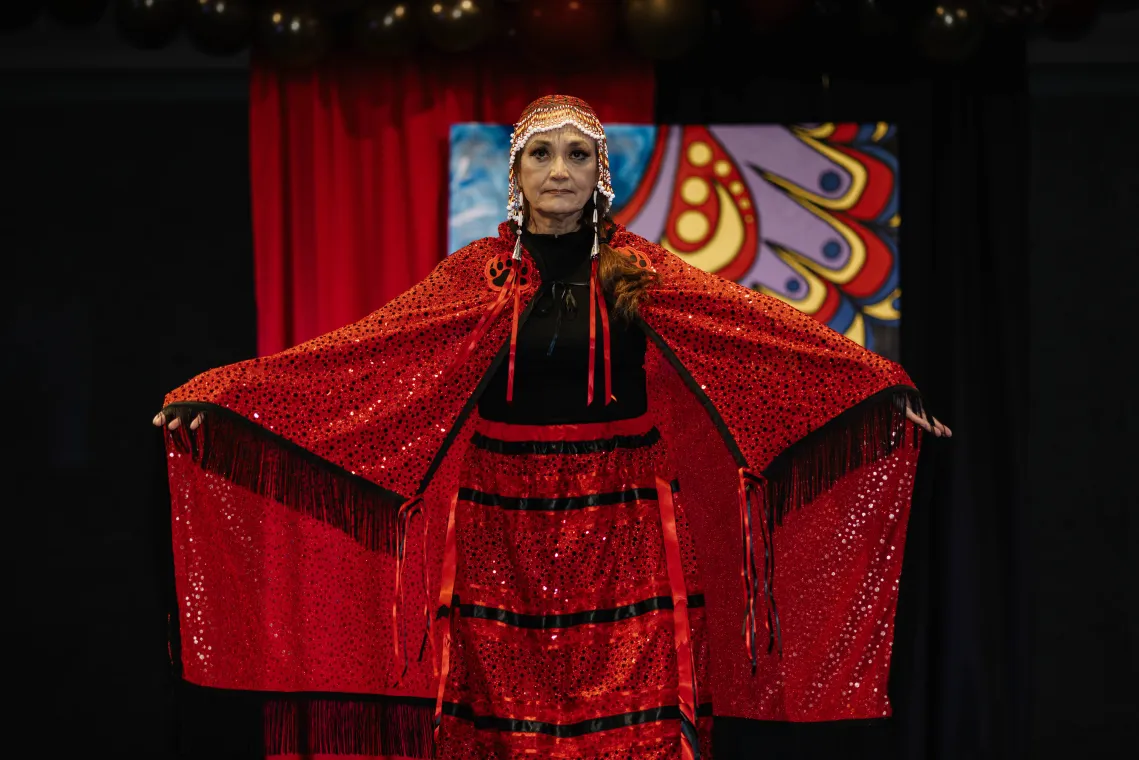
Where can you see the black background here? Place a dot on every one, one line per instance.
(124, 220)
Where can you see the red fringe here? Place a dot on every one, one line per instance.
(257, 460)
(305, 728)
(864, 434)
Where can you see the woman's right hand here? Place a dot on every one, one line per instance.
(175, 421)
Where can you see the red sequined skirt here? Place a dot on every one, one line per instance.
(576, 627)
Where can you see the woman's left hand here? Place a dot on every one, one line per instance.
(934, 426)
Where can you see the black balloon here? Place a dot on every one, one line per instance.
(507, 24)
(76, 13)
(664, 29)
(17, 14)
(565, 33)
(829, 10)
(1016, 11)
(219, 27)
(457, 26)
(951, 32)
(876, 18)
(291, 36)
(1069, 20)
(333, 7)
(148, 24)
(829, 21)
(770, 15)
(385, 28)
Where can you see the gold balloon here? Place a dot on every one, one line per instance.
(219, 27)
(457, 26)
(385, 28)
(951, 31)
(291, 37)
(148, 24)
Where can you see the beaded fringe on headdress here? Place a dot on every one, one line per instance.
(546, 115)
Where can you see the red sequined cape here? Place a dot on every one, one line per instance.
(286, 500)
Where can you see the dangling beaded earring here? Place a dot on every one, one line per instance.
(596, 248)
(521, 219)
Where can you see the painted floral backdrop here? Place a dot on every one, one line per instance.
(805, 212)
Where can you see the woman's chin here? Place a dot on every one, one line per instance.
(559, 206)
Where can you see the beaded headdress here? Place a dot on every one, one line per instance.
(545, 115)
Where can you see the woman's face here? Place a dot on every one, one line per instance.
(558, 172)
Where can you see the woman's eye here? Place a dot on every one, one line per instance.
(538, 153)
(579, 155)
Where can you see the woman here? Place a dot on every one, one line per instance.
(600, 442)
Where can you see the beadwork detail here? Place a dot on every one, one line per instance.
(498, 270)
(637, 257)
(547, 115)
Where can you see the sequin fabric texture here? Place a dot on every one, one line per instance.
(564, 628)
(287, 502)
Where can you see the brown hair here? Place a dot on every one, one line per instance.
(623, 281)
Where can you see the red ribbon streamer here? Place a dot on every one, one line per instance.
(407, 510)
(592, 331)
(487, 320)
(596, 299)
(753, 486)
(686, 685)
(605, 340)
(446, 600)
(747, 568)
(513, 340)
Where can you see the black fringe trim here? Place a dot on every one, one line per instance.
(701, 396)
(569, 730)
(571, 448)
(347, 727)
(571, 619)
(864, 434)
(258, 460)
(560, 503)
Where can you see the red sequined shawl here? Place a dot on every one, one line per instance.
(286, 502)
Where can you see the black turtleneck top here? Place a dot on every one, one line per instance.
(552, 360)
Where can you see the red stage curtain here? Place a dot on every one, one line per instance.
(350, 170)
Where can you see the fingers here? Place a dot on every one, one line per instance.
(160, 419)
(917, 419)
(173, 421)
(936, 427)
